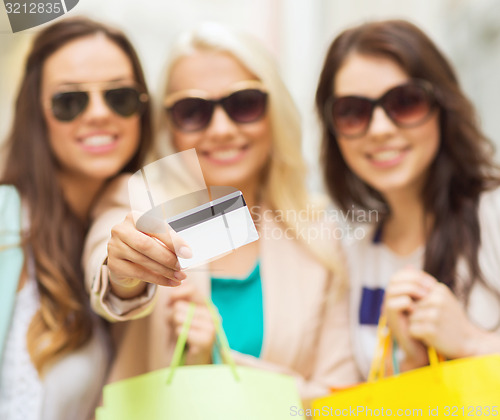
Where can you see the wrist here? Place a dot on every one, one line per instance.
(417, 357)
(479, 343)
(413, 363)
(126, 288)
(198, 359)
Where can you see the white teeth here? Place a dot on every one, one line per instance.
(98, 140)
(225, 154)
(386, 155)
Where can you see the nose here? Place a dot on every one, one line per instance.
(97, 109)
(381, 125)
(221, 126)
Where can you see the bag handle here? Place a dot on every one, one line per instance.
(384, 341)
(221, 341)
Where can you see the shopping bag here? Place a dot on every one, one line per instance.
(457, 388)
(203, 392)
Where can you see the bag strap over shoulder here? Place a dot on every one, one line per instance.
(11, 256)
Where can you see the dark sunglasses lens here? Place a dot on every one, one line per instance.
(124, 101)
(67, 105)
(191, 114)
(351, 115)
(408, 105)
(246, 106)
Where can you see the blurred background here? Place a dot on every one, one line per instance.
(297, 32)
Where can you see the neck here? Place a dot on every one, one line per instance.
(406, 227)
(251, 193)
(80, 193)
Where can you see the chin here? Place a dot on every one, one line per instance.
(104, 173)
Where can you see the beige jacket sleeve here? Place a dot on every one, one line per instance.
(111, 209)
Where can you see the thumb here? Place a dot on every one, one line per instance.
(161, 230)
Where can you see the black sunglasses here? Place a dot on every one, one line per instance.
(407, 105)
(124, 101)
(191, 110)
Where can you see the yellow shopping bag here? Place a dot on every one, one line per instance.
(203, 392)
(468, 387)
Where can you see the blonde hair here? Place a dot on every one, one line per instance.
(283, 187)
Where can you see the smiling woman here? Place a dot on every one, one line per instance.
(232, 151)
(96, 141)
(81, 118)
(400, 137)
(380, 160)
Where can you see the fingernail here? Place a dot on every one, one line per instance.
(185, 252)
(179, 275)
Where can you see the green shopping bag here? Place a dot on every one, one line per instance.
(202, 392)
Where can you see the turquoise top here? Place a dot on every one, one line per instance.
(11, 257)
(239, 302)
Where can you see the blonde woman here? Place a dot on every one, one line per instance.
(278, 297)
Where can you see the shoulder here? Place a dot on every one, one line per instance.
(8, 192)
(10, 201)
(489, 224)
(113, 195)
(489, 216)
(489, 203)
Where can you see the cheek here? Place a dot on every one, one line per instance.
(428, 141)
(350, 153)
(184, 141)
(58, 134)
(260, 133)
(134, 130)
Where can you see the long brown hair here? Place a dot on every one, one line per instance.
(56, 235)
(462, 169)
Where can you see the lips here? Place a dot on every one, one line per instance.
(101, 140)
(387, 157)
(225, 155)
(98, 143)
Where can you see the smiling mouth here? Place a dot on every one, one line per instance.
(387, 155)
(98, 141)
(225, 155)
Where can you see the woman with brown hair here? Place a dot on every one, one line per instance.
(400, 137)
(82, 117)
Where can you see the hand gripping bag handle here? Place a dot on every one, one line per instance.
(377, 368)
(222, 342)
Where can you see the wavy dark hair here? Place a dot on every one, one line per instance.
(56, 234)
(462, 169)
